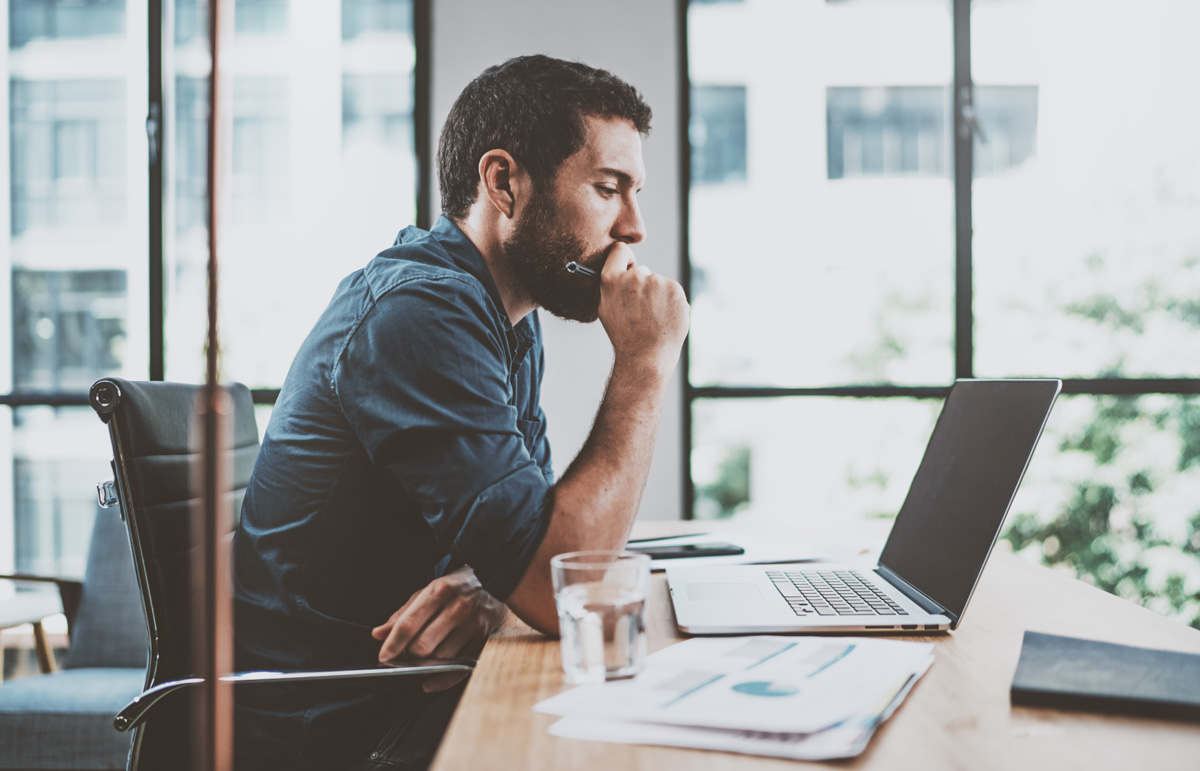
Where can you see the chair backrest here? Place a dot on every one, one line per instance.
(155, 464)
(155, 458)
(109, 626)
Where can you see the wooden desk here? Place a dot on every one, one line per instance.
(957, 717)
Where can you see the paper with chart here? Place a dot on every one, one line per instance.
(844, 740)
(766, 684)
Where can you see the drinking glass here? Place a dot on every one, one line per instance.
(601, 598)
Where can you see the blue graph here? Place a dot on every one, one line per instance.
(763, 688)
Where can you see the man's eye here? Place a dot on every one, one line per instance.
(607, 192)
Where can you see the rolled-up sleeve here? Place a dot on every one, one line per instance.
(424, 383)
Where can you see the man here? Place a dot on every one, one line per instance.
(404, 488)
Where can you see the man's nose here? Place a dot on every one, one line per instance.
(630, 227)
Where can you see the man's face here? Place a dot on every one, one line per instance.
(590, 205)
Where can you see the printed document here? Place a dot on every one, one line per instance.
(798, 698)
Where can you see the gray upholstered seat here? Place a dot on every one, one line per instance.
(64, 720)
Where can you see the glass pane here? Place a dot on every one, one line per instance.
(807, 460)
(59, 454)
(1113, 496)
(73, 273)
(321, 174)
(1087, 237)
(821, 207)
(365, 17)
(57, 19)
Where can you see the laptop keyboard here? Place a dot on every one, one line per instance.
(832, 593)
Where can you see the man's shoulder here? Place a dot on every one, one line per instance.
(418, 271)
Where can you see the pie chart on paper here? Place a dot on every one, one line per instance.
(763, 688)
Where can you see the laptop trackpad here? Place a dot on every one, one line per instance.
(723, 592)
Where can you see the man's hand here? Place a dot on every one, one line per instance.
(452, 615)
(644, 315)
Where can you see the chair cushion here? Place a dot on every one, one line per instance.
(109, 629)
(64, 720)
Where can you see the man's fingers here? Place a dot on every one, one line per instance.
(443, 626)
(408, 626)
(382, 630)
(620, 257)
(455, 643)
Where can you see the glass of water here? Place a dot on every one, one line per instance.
(601, 598)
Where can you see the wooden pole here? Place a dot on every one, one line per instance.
(214, 743)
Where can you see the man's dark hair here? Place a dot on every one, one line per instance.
(533, 107)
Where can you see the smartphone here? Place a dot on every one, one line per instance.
(680, 550)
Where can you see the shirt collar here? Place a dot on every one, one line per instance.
(464, 254)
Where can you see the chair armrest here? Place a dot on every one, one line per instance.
(137, 710)
(69, 590)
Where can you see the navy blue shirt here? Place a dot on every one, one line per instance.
(407, 438)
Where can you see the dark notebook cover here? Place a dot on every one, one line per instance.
(1070, 673)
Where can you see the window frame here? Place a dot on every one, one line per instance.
(422, 36)
(962, 164)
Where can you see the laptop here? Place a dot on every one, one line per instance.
(937, 549)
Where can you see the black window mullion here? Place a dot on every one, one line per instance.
(964, 147)
(154, 129)
(422, 131)
(685, 255)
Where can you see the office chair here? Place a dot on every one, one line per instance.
(63, 720)
(150, 425)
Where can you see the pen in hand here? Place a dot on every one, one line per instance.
(583, 270)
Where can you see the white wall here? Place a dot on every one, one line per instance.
(636, 40)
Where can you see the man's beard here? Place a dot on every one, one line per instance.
(538, 253)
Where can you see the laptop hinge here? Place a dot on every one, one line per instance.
(927, 604)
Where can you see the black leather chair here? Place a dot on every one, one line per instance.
(150, 425)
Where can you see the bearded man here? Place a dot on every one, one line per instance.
(403, 499)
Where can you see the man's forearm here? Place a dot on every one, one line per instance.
(597, 499)
(600, 492)
(645, 317)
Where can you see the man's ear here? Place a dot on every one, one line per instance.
(504, 181)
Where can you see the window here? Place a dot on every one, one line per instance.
(191, 153)
(73, 275)
(1010, 115)
(717, 132)
(366, 16)
(899, 131)
(310, 198)
(880, 131)
(849, 279)
(261, 150)
(376, 111)
(67, 325)
(54, 449)
(260, 17)
(54, 19)
(68, 154)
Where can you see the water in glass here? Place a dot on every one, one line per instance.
(603, 631)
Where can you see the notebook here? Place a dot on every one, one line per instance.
(1072, 673)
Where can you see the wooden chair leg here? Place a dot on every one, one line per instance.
(45, 653)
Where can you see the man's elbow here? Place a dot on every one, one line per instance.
(536, 614)
(533, 598)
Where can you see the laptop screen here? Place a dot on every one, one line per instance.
(972, 467)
